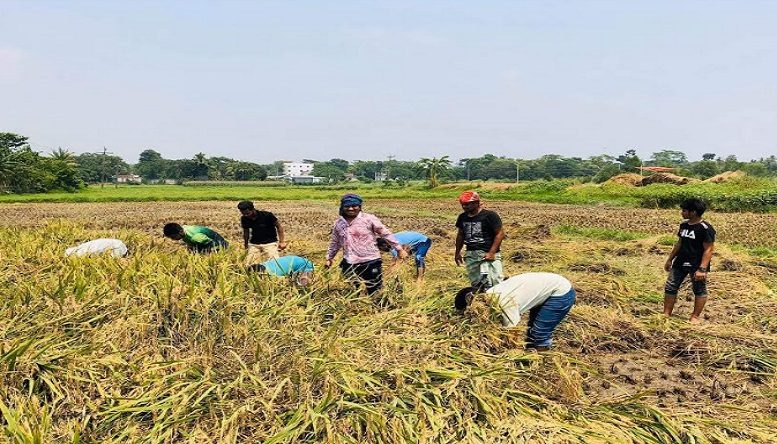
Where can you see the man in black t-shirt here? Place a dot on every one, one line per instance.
(263, 235)
(481, 231)
(691, 255)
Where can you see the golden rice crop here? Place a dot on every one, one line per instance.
(165, 346)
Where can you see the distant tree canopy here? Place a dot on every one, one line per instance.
(94, 167)
(24, 170)
(152, 166)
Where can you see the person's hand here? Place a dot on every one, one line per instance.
(246, 246)
(402, 254)
(328, 263)
(699, 275)
(668, 265)
(459, 260)
(489, 256)
(281, 245)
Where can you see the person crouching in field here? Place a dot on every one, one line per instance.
(355, 232)
(298, 269)
(197, 238)
(413, 243)
(263, 235)
(114, 247)
(690, 256)
(547, 297)
(481, 231)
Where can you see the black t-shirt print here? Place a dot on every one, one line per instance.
(480, 230)
(692, 240)
(262, 227)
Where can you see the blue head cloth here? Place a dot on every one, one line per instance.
(350, 200)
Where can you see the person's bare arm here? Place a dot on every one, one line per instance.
(334, 247)
(459, 245)
(498, 238)
(675, 251)
(246, 236)
(706, 257)
(281, 235)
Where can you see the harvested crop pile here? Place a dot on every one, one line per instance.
(631, 179)
(668, 178)
(726, 176)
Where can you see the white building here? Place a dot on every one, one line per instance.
(128, 178)
(306, 179)
(295, 169)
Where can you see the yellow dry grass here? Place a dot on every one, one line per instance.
(166, 347)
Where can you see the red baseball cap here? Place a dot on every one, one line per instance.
(469, 196)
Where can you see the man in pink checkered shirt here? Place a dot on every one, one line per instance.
(355, 233)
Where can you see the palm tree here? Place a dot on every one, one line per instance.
(434, 167)
(63, 155)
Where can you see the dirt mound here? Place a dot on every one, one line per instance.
(631, 179)
(726, 176)
(667, 178)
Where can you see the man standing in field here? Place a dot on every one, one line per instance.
(263, 235)
(690, 256)
(413, 243)
(197, 238)
(481, 231)
(355, 232)
(547, 297)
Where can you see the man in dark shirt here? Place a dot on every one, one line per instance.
(691, 255)
(481, 231)
(263, 235)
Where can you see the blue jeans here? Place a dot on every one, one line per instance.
(420, 251)
(544, 318)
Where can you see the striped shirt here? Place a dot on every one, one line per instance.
(357, 238)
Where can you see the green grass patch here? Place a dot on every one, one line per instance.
(667, 240)
(598, 233)
(749, 194)
(763, 252)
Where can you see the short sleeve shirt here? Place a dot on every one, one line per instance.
(410, 238)
(480, 230)
(198, 236)
(287, 265)
(523, 292)
(692, 240)
(262, 227)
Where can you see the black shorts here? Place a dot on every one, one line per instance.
(370, 273)
(676, 278)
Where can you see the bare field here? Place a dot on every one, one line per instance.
(168, 347)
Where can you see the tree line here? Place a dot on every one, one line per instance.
(24, 170)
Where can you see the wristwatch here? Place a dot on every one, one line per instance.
(703, 269)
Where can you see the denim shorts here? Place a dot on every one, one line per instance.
(676, 278)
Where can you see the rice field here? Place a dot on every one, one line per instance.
(168, 347)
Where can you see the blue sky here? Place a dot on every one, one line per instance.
(263, 81)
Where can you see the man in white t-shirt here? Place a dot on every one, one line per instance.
(114, 247)
(547, 297)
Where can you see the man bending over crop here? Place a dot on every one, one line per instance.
(114, 247)
(298, 269)
(355, 232)
(413, 243)
(481, 231)
(547, 297)
(197, 238)
(690, 256)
